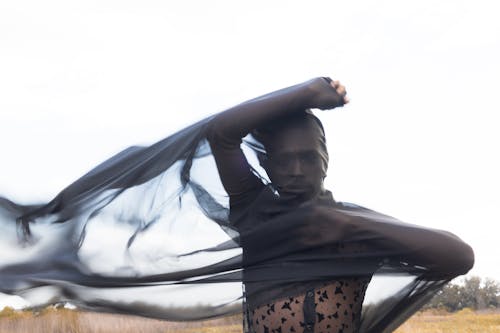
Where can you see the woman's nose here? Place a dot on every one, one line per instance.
(295, 168)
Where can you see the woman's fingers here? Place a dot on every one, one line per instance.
(340, 90)
(324, 97)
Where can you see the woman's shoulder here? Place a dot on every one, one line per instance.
(349, 205)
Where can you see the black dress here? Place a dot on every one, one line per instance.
(149, 232)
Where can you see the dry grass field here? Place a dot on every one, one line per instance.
(464, 321)
(52, 320)
(69, 321)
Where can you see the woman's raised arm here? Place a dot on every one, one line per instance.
(321, 93)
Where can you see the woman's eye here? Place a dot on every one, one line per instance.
(309, 158)
(282, 161)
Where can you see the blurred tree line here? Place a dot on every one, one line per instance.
(472, 293)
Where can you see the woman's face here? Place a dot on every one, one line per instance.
(295, 163)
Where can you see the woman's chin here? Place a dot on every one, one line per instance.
(298, 194)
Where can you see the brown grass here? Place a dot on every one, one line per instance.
(52, 320)
(464, 321)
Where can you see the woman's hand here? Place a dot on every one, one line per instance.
(340, 90)
(327, 94)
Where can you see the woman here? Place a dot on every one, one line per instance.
(142, 232)
(296, 162)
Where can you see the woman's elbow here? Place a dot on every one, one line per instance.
(456, 259)
(464, 259)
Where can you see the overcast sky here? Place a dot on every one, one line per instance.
(79, 81)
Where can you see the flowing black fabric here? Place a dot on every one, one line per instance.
(148, 232)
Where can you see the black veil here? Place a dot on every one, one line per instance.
(147, 232)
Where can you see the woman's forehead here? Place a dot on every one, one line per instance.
(295, 139)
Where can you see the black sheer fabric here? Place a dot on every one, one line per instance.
(149, 232)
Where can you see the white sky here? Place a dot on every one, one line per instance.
(80, 81)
